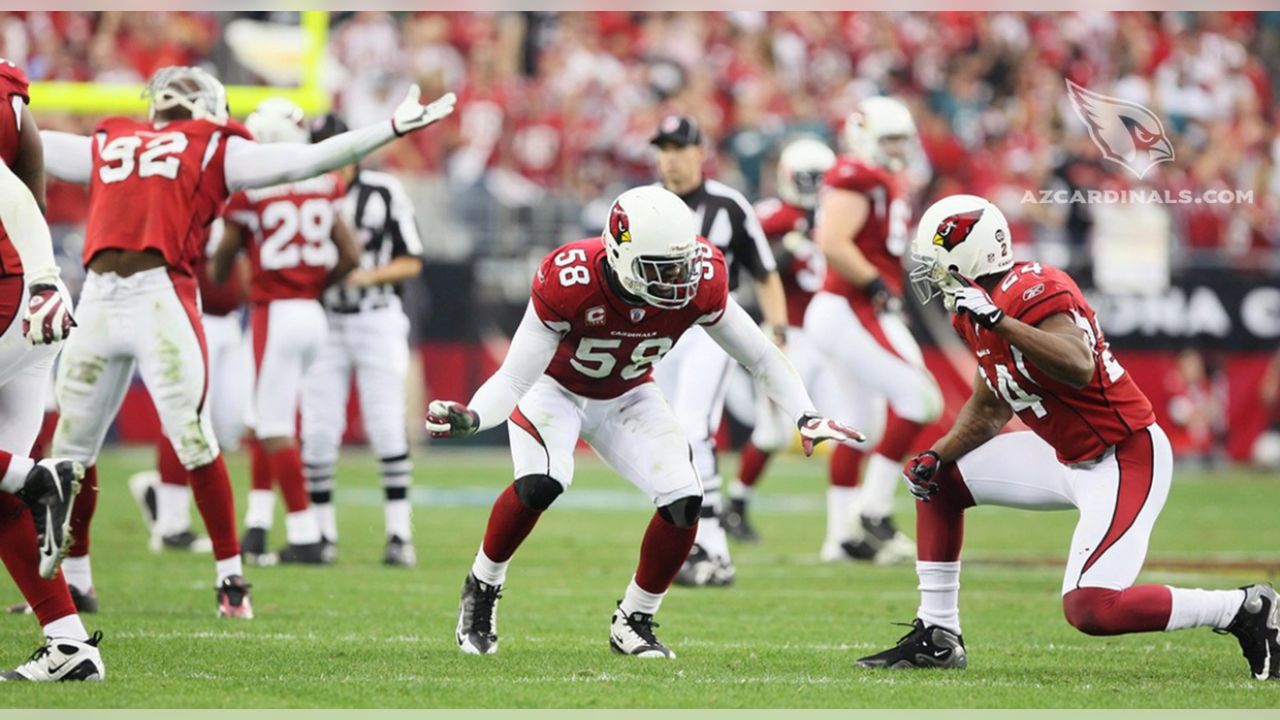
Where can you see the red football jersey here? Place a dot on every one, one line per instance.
(800, 266)
(1080, 423)
(883, 239)
(610, 346)
(13, 91)
(289, 235)
(156, 186)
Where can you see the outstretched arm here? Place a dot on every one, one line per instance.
(68, 157)
(531, 351)
(738, 334)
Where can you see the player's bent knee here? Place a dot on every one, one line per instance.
(537, 492)
(682, 513)
(1092, 611)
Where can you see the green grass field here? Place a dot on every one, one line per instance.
(360, 634)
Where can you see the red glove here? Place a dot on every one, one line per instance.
(919, 473)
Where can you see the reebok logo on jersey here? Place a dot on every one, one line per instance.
(955, 229)
(1032, 292)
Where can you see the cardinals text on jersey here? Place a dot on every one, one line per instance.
(883, 238)
(1080, 423)
(289, 228)
(608, 345)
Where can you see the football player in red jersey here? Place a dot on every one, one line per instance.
(603, 312)
(36, 498)
(154, 186)
(787, 220)
(856, 323)
(1093, 445)
(297, 245)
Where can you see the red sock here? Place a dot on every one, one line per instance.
(49, 599)
(845, 468)
(259, 468)
(167, 463)
(211, 488)
(940, 522)
(1103, 611)
(899, 437)
(510, 522)
(753, 463)
(286, 468)
(663, 550)
(82, 513)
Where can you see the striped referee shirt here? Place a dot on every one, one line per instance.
(726, 219)
(379, 211)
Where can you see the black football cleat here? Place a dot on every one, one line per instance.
(735, 522)
(1255, 626)
(399, 553)
(233, 599)
(182, 541)
(926, 646)
(305, 554)
(633, 635)
(701, 569)
(477, 632)
(49, 492)
(253, 547)
(85, 603)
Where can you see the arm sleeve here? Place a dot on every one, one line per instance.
(250, 164)
(532, 348)
(68, 157)
(737, 333)
(26, 228)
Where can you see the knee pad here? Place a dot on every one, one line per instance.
(1089, 610)
(682, 513)
(537, 492)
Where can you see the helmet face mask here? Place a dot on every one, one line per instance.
(801, 168)
(200, 93)
(652, 248)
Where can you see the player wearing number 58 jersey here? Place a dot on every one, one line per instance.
(154, 186)
(603, 312)
(297, 245)
(1094, 445)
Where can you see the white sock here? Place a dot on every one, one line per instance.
(840, 502)
(301, 528)
(76, 571)
(879, 485)
(227, 567)
(399, 516)
(16, 476)
(1203, 608)
(173, 508)
(939, 594)
(640, 600)
(488, 571)
(68, 627)
(262, 509)
(738, 491)
(327, 518)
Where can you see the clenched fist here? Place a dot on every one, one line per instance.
(919, 473)
(47, 318)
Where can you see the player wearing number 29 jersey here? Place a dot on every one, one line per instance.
(602, 313)
(609, 346)
(1094, 446)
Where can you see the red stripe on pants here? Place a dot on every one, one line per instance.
(1135, 460)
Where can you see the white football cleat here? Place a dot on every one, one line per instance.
(62, 660)
(633, 635)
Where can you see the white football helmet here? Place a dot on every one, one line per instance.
(801, 166)
(188, 87)
(877, 121)
(652, 247)
(276, 120)
(963, 234)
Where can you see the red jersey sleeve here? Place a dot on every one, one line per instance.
(713, 289)
(774, 218)
(854, 175)
(550, 299)
(13, 82)
(1031, 293)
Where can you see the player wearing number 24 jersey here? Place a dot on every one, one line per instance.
(1094, 446)
(603, 312)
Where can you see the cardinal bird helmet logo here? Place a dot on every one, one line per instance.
(1127, 133)
(955, 229)
(619, 225)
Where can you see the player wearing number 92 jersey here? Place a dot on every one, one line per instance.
(602, 312)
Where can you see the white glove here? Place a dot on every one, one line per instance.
(412, 115)
(815, 429)
(449, 419)
(972, 300)
(47, 318)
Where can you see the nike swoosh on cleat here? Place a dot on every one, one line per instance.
(939, 654)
